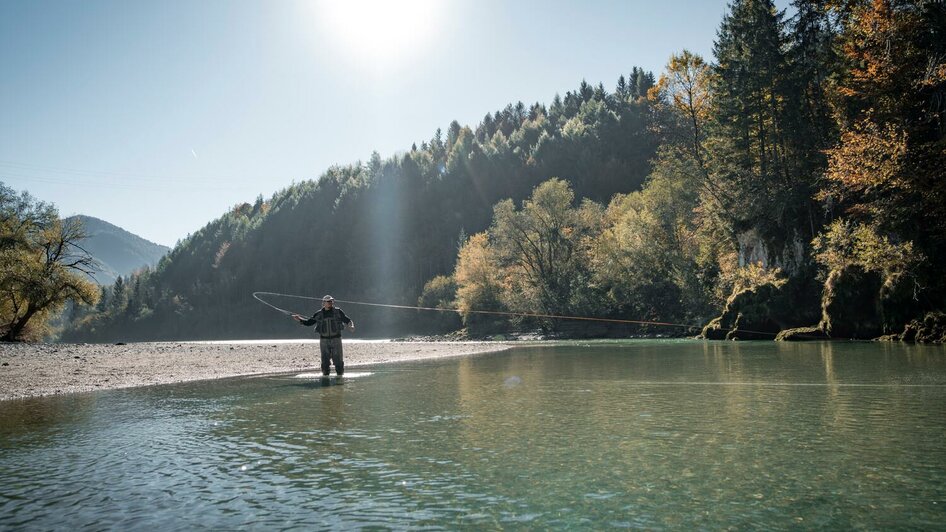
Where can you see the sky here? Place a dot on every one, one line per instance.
(159, 116)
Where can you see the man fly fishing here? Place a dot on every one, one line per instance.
(329, 321)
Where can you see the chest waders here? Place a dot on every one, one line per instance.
(330, 341)
(330, 326)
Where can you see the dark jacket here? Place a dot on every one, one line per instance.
(329, 323)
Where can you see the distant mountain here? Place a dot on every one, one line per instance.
(117, 251)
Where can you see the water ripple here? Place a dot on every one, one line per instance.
(649, 436)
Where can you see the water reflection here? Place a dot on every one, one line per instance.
(643, 434)
(44, 416)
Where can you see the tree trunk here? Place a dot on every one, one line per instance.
(13, 335)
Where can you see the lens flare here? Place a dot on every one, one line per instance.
(381, 33)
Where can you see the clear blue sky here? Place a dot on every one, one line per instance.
(158, 116)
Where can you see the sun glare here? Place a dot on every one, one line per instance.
(380, 33)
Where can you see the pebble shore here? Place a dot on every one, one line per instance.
(29, 370)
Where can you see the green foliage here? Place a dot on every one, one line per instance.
(763, 137)
(646, 256)
(889, 169)
(871, 282)
(41, 266)
(846, 243)
(533, 259)
(545, 243)
(755, 275)
(805, 161)
(479, 284)
(378, 231)
(826, 106)
(439, 292)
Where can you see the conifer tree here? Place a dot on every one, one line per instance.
(752, 155)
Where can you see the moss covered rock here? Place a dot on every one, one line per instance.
(850, 305)
(801, 334)
(931, 329)
(714, 330)
(861, 304)
(898, 302)
(749, 314)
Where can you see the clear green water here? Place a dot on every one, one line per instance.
(656, 434)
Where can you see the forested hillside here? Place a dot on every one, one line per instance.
(116, 252)
(793, 184)
(378, 230)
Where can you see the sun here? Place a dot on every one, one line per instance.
(381, 33)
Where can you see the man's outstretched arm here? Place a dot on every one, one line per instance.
(306, 321)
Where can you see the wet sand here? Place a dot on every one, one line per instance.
(28, 370)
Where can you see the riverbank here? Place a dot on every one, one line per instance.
(28, 370)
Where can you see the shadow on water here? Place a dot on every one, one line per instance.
(37, 416)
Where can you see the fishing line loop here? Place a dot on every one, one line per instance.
(687, 326)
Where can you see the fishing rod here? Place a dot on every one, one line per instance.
(270, 305)
(687, 326)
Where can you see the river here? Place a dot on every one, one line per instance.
(657, 434)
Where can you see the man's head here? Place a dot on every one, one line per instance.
(328, 302)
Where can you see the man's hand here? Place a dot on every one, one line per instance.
(351, 326)
(297, 317)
